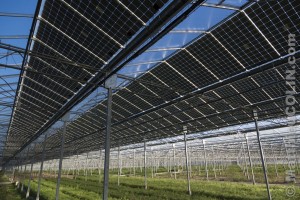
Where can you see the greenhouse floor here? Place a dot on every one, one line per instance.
(160, 187)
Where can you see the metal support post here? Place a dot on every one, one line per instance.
(261, 153)
(174, 163)
(32, 161)
(65, 119)
(206, 170)
(86, 166)
(19, 172)
(119, 165)
(275, 160)
(250, 160)
(287, 155)
(24, 174)
(214, 162)
(133, 162)
(145, 167)
(100, 164)
(187, 161)
(152, 165)
(246, 165)
(41, 169)
(109, 84)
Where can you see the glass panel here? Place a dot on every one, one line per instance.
(232, 3)
(174, 39)
(204, 18)
(235, 3)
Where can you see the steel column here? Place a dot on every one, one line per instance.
(41, 169)
(287, 155)
(145, 167)
(119, 169)
(187, 160)
(174, 161)
(275, 160)
(22, 159)
(214, 162)
(152, 164)
(32, 161)
(133, 162)
(24, 174)
(203, 142)
(255, 116)
(100, 164)
(246, 165)
(65, 119)
(250, 160)
(107, 144)
(86, 166)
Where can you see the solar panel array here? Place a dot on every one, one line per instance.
(212, 82)
(73, 41)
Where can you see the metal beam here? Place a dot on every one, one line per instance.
(5, 14)
(5, 37)
(239, 76)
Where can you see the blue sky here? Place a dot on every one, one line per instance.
(12, 26)
(16, 26)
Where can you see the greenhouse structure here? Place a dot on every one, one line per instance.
(152, 99)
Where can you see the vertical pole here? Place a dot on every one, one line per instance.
(156, 163)
(22, 163)
(250, 160)
(86, 166)
(41, 169)
(19, 173)
(199, 163)
(261, 153)
(145, 162)
(100, 164)
(187, 161)
(107, 145)
(246, 165)
(24, 174)
(174, 162)
(219, 162)
(76, 166)
(275, 160)
(152, 164)
(169, 162)
(13, 174)
(203, 141)
(65, 119)
(32, 161)
(287, 155)
(190, 163)
(133, 162)
(119, 169)
(214, 163)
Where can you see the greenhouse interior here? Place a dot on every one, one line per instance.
(149, 100)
